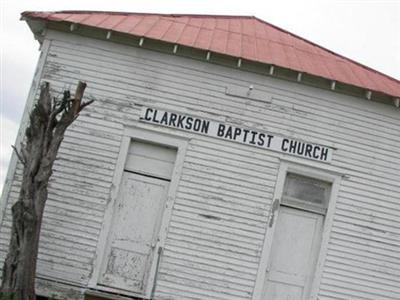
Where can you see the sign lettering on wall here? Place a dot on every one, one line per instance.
(236, 134)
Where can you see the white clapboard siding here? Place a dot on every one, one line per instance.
(358, 137)
(132, 73)
(217, 226)
(219, 219)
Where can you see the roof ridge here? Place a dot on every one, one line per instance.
(141, 13)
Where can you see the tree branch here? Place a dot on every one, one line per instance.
(80, 89)
(83, 105)
(23, 161)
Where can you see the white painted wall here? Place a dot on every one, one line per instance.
(217, 257)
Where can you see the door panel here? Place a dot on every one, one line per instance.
(150, 159)
(134, 232)
(293, 255)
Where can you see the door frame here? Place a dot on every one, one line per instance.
(144, 135)
(306, 170)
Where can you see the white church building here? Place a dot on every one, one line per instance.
(223, 158)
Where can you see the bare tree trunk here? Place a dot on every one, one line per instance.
(48, 121)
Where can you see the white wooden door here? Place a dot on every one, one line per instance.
(138, 212)
(134, 232)
(294, 252)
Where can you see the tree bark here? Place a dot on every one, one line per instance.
(48, 122)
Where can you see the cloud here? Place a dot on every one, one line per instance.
(8, 133)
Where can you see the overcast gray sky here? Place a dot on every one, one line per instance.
(367, 31)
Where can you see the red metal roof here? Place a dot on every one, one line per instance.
(243, 37)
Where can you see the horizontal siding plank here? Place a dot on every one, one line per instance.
(220, 204)
(359, 288)
(184, 226)
(214, 274)
(214, 266)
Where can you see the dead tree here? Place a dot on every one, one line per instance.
(49, 120)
